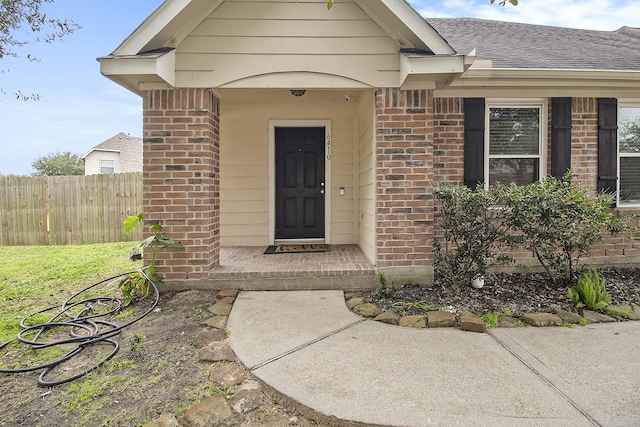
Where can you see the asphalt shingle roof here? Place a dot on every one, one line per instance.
(515, 45)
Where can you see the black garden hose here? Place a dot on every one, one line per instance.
(86, 320)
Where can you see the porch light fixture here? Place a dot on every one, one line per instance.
(298, 92)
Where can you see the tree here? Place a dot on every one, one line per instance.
(56, 164)
(630, 135)
(23, 22)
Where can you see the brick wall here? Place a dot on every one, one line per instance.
(181, 177)
(448, 140)
(448, 152)
(584, 141)
(404, 155)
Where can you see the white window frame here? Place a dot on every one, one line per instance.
(102, 166)
(624, 103)
(542, 104)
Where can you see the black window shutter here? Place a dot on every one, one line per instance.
(607, 145)
(474, 109)
(560, 136)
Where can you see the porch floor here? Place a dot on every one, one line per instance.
(342, 267)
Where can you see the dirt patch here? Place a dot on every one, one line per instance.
(156, 371)
(158, 368)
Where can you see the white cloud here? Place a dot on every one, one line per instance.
(606, 15)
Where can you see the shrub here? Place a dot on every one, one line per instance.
(474, 233)
(591, 292)
(559, 222)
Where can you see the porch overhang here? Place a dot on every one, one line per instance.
(419, 71)
(543, 83)
(133, 71)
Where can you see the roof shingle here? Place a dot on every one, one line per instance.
(516, 45)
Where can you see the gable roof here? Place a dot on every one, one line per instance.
(218, 43)
(525, 46)
(122, 143)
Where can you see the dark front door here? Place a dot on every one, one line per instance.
(300, 186)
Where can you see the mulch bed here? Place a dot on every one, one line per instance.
(519, 292)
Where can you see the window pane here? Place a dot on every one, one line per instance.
(107, 166)
(630, 179)
(629, 130)
(513, 171)
(514, 131)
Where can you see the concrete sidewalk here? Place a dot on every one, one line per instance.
(310, 348)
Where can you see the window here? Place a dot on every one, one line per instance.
(629, 153)
(515, 150)
(107, 166)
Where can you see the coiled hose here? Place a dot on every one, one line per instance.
(95, 331)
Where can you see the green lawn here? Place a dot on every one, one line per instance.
(36, 277)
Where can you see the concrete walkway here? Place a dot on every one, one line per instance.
(310, 348)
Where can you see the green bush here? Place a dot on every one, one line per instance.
(474, 233)
(590, 292)
(560, 222)
(556, 219)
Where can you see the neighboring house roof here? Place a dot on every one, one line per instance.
(516, 45)
(121, 142)
(129, 148)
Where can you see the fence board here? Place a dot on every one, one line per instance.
(23, 216)
(68, 210)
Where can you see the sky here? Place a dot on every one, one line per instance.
(79, 108)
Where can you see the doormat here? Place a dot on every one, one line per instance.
(293, 249)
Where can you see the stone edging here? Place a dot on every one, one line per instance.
(443, 319)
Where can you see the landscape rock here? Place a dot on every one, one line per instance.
(413, 321)
(349, 295)
(440, 319)
(247, 397)
(218, 322)
(227, 300)
(217, 352)
(568, 316)
(472, 324)
(509, 322)
(226, 375)
(206, 336)
(367, 310)
(210, 412)
(632, 309)
(387, 317)
(167, 420)
(595, 317)
(220, 309)
(233, 293)
(541, 319)
(352, 302)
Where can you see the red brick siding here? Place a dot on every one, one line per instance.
(448, 140)
(404, 171)
(584, 141)
(181, 131)
(448, 153)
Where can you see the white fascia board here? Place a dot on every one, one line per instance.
(474, 77)
(105, 150)
(404, 24)
(162, 66)
(453, 65)
(167, 26)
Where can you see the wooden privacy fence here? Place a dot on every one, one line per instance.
(64, 210)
